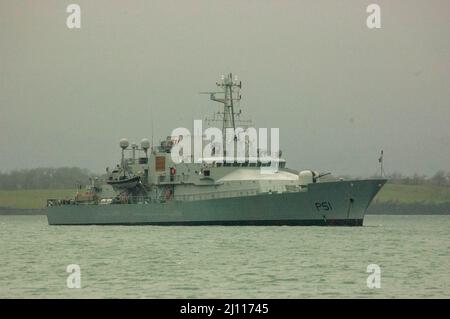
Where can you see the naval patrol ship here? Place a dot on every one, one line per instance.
(149, 187)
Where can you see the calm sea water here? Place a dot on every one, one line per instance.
(226, 262)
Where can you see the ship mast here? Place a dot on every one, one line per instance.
(231, 94)
(228, 95)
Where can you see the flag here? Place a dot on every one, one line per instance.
(381, 157)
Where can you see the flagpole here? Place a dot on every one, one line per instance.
(380, 160)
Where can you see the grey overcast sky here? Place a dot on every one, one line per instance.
(338, 91)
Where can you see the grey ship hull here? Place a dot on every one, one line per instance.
(328, 203)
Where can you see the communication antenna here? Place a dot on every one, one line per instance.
(152, 133)
(145, 145)
(123, 143)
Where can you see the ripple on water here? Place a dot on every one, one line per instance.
(226, 262)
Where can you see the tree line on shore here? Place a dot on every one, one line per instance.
(71, 177)
(45, 178)
(440, 178)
